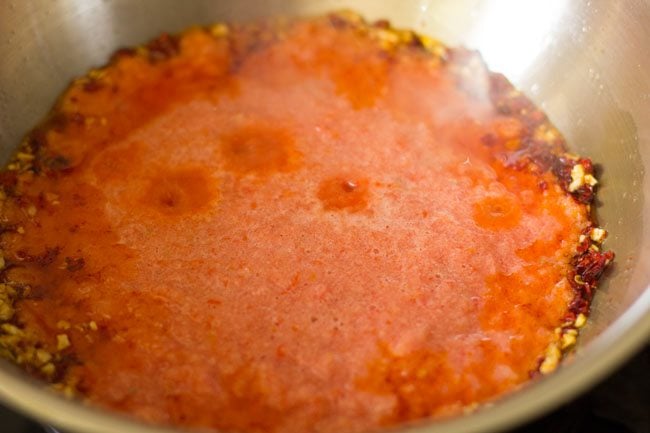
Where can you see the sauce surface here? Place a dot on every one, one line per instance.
(303, 229)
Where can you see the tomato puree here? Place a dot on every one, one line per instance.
(314, 226)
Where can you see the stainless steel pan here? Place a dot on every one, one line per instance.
(587, 63)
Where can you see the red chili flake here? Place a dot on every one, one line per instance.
(587, 165)
(584, 194)
(92, 85)
(588, 265)
(162, 48)
(122, 53)
(579, 305)
(591, 264)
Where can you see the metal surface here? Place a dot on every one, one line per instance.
(587, 63)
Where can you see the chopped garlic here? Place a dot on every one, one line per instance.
(551, 360)
(22, 156)
(6, 310)
(62, 342)
(68, 392)
(568, 340)
(433, 46)
(63, 324)
(387, 38)
(590, 180)
(219, 30)
(48, 369)
(597, 234)
(10, 329)
(43, 356)
(577, 177)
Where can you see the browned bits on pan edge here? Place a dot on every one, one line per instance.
(390, 38)
(589, 264)
(245, 39)
(542, 145)
(543, 148)
(17, 344)
(576, 177)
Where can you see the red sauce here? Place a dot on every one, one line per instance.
(179, 191)
(287, 234)
(497, 213)
(344, 193)
(258, 149)
(356, 66)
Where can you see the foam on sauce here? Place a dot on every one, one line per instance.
(305, 234)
